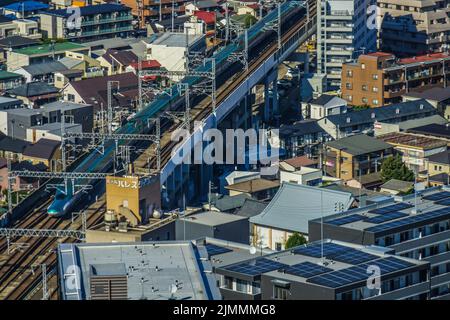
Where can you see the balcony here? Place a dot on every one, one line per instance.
(101, 21)
(105, 31)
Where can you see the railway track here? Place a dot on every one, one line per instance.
(16, 280)
(229, 86)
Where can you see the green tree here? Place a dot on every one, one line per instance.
(296, 239)
(395, 168)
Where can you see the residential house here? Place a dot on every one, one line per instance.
(306, 176)
(62, 78)
(355, 156)
(14, 42)
(19, 183)
(41, 72)
(437, 96)
(42, 53)
(395, 187)
(117, 61)
(291, 209)
(259, 188)
(19, 27)
(35, 94)
(12, 148)
(51, 131)
(10, 103)
(294, 164)
(202, 5)
(363, 121)
(323, 106)
(381, 127)
(414, 149)
(438, 168)
(45, 151)
(9, 80)
(302, 138)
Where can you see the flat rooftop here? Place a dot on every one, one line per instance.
(411, 140)
(212, 218)
(152, 268)
(396, 213)
(42, 49)
(176, 39)
(305, 264)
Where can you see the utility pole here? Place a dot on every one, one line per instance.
(8, 161)
(110, 108)
(209, 194)
(45, 295)
(173, 15)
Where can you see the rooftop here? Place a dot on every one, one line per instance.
(5, 75)
(169, 39)
(33, 89)
(294, 205)
(384, 113)
(91, 10)
(212, 218)
(434, 130)
(435, 94)
(396, 214)
(412, 141)
(358, 144)
(301, 161)
(441, 157)
(26, 6)
(162, 265)
(43, 49)
(44, 68)
(398, 185)
(42, 149)
(424, 58)
(17, 41)
(303, 264)
(254, 185)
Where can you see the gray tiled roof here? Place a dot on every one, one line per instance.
(294, 205)
(359, 144)
(410, 108)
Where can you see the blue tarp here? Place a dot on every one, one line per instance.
(26, 6)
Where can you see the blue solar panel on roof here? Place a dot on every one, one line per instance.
(386, 217)
(422, 217)
(256, 267)
(437, 196)
(359, 273)
(212, 249)
(391, 208)
(306, 269)
(445, 202)
(354, 256)
(344, 220)
(315, 250)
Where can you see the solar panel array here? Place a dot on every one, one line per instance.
(336, 252)
(422, 217)
(386, 217)
(391, 208)
(344, 220)
(359, 273)
(256, 267)
(213, 250)
(444, 202)
(315, 250)
(437, 196)
(306, 269)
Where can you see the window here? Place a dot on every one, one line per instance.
(349, 98)
(375, 77)
(71, 97)
(375, 101)
(278, 246)
(363, 65)
(349, 73)
(375, 89)
(364, 100)
(364, 87)
(348, 86)
(228, 282)
(280, 293)
(241, 285)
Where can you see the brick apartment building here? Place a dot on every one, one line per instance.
(379, 78)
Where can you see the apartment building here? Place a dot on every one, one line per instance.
(19, 27)
(97, 22)
(412, 231)
(148, 10)
(380, 78)
(412, 27)
(351, 157)
(414, 149)
(342, 35)
(301, 273)
(42, 53)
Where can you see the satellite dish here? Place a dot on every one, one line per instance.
(252, 250)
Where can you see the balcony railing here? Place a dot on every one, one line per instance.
(104, 31)
(100, 21)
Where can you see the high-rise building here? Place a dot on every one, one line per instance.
(343, 33)
(411, 27)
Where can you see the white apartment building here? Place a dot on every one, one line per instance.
(342, 35)
(413, 27)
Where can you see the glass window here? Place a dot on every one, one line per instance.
(375, 77)
(280, 293)
(241, 285)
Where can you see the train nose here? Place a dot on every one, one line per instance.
(53, 212)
